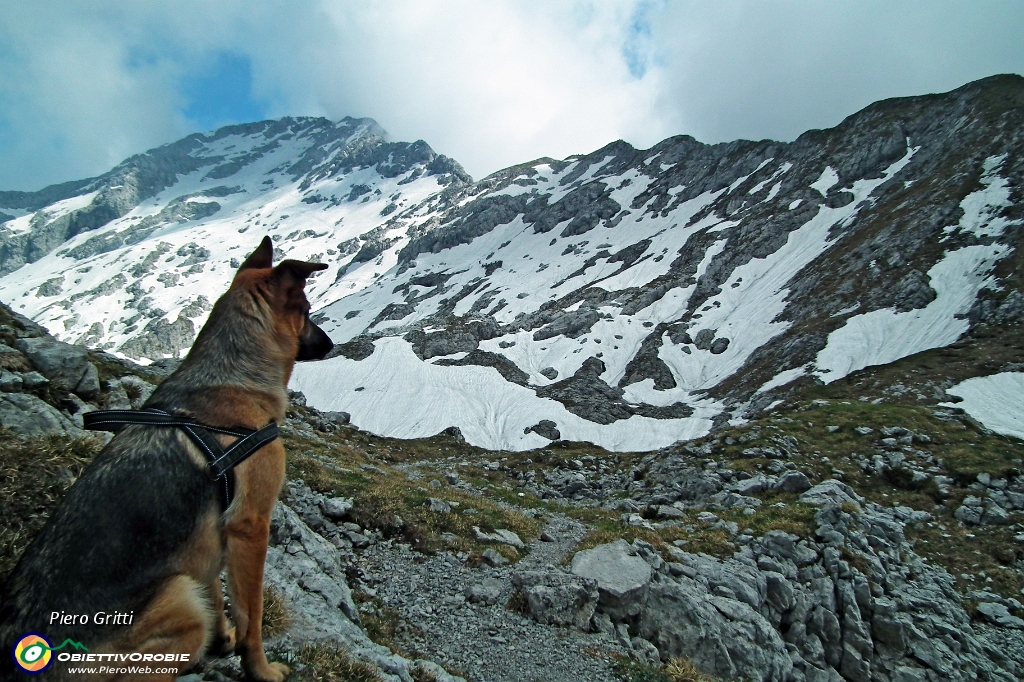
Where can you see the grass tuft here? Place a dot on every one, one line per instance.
(275, 616)
(331, 663)
(676, 670)
(34, 476)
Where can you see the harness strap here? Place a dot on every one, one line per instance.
(221, 462)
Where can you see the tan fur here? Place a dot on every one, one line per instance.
(178, 620)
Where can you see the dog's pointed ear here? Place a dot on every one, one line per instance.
(262, 257)
(297, 269)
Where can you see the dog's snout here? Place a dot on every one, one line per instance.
(314, 344)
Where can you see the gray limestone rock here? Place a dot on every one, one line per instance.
(336, 508)
(722, 636)
(499, 535)
(792, 482)
(832, 491)
(89, 385)
(117, 397)
(557, 597)
(487, 591)
(159, 338)
(27, 415)
(10, 382)
(622, 576)
(494, 557)
(546, 429)
(438, 506)
(63, 364)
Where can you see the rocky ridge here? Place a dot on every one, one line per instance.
(631, 298)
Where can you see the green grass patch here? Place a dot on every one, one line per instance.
(388, 501)
(698, 539)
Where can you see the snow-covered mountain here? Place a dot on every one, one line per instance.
(627, 297)
(132, 260)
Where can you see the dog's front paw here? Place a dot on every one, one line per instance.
(274, 672)
(224, 643)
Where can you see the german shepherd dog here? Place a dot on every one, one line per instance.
(144, 532)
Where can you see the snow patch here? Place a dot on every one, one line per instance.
(404, 397)
(883, 336)
(826, 180)
(997, 401)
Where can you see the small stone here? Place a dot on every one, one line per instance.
(493, 557)
(501, 535)
(486, 592)
(792, 482)
(336, 508)
(438, 506)
(706, 518)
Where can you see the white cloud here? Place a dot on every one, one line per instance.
(84, 84)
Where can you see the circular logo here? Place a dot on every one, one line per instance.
(32, 653)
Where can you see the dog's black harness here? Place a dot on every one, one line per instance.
(222, 461)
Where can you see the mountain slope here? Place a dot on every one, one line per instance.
(628, 297)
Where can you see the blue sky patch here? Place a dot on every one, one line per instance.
(221, 94)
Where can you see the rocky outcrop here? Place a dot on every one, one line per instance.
(852, 603)
(67, 366)
(160, 338)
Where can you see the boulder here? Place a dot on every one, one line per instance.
(792, 482)
(757, 483)
(27, 415)
(833, 491)
(998, 614)
(438, 506)
(622, 576)
(10, 382)
(64, 365)
(486, 592)
(557, 597)
(493, 557)
(336, 508)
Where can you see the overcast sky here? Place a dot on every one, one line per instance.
(84, 84)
